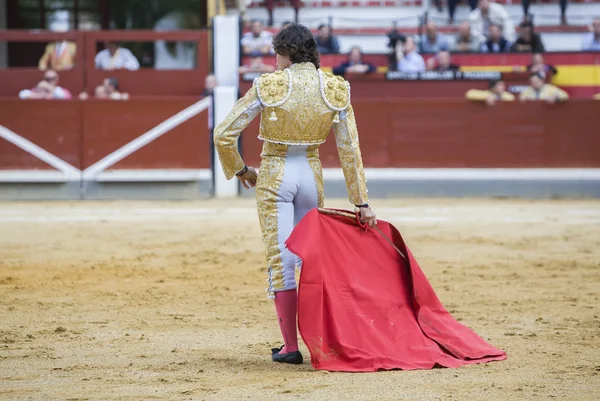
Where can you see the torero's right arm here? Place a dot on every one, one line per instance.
(227, 133)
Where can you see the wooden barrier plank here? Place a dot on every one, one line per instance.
(53, 125)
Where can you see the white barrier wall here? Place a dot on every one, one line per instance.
(226, 49)
(225, 97)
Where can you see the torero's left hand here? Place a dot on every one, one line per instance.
(248, 179)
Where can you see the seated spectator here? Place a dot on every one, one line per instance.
(257, 42)
(59, 56)
(466, 41)
(432, 41)
(210, 83)
(441, 63)
(540, 90)
(528, 40)
(355, 64)
(326, 42)
(591, 41)
(547, 71)
(256, 65)
(116, 58)
(496, 92)
(496, 43)
(488, 14)
(407, 58)
(108, 90)
(48, 89)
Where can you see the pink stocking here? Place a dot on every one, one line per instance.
(286, 303)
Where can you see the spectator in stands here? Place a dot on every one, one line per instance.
(326, 42)
(591, 41)
(256, 65)
(563, 11)
(407, 58)
(59, 56)
(528, 40)
(432, 41)
(452, 8)
(210, 83)
(108, 90)
(496, 42)
(47, 88)
(466, 41)
(441, 62)
(496, 92)
(116, 58)
(488, 14)
(538, 65)
(257, 42)
(355, 64)
(540, 90)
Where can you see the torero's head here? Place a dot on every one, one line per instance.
(295, 44)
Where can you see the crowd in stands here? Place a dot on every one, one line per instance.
(489, 29)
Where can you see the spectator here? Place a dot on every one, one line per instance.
(466, 41)
(442, 62)
(116, 58)
(210, 83)
(47, 88)
(257, 42)
(256, 65)
(563, 10)
(528, 40)
(496, 43)
(591, 41)
(432, 41)
(538, 65)
(326, 42)
(540, 90)
(407, 58)
(488, 14)
(355, 64)
(59, 56)
(496, 92)
(108, 90)
(452, 8)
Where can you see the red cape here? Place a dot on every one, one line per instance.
(362, 307)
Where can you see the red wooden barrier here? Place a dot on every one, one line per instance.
(454, 133)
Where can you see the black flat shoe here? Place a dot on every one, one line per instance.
(294, 358)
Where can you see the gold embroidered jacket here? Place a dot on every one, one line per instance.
(298, 106)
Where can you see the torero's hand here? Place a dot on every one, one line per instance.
(367, 216)
(248, 177)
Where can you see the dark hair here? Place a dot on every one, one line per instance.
(297, 42)
(537, 74)
(526, 24)
(493, 82)
(113, 82)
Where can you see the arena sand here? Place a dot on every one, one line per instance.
(166, 300)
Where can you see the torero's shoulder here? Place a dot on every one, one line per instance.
(274, 88)
(335, 91)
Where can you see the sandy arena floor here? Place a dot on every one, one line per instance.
(165, 300)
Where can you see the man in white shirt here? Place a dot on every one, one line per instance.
(257, 42)
(47, 88)
(591, 41)
(487, 14)
(407, 57)
(116, 58)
